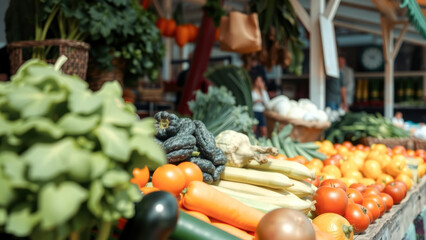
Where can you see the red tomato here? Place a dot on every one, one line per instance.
(336, 183)
(371, 190)
(355, 195)
(388, 200)
(333, 160)
(402, 185)
(347, 144)
(315, 182)
(169, 178)
(369, 214)
(191, 171)
(371, 205)
(358, 186)
(395, 191)
(330, 200)
(378, 186)
(140, 176)
(357, 216)
(378, 199)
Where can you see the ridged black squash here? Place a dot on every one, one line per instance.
(167, 124)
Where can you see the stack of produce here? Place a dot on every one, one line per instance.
(262, 182)
(354, 126)
(285, 145)
(186, 140)
(358, 184)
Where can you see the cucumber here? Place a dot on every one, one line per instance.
(189, 227)
(302, 152)
(308, 145)
(285, 131)
(316, 154)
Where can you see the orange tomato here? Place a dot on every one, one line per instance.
(398, 150)
(315, 162)
(348, 166)
(335, 225)
(147, 190)
(410, 153)
(406, 179)
(371, 169)
(140, 176)
(169, 178)
(379, 147)
(332, 170)
(347, 144)
(299, 159)
(191, 171)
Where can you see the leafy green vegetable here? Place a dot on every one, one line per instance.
(218, 111)
(66, 154)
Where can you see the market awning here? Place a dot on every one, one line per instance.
(415, 15)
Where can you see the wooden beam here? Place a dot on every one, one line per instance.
(399, 41)
(301, 14)
(414, 39)
(316, 59)
(388, 49)
(386, 41)
(159, 9)
(331, 9)
(386, 8)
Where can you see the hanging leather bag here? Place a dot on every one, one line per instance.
(240, 33)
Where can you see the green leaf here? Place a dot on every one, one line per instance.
(5, 125)
(114, 141)
(57, 204)
(144, 127)
(41, 125)
(6, 192)
(49, 160)
(84, 102)
(32, 102)
(152, 150)
(111, 90)
(134, 193)
(99, 164)
(114, 113)
(115, 178)
(79, 166)
(3, 216)
(96, 192)
(75, 124)
(21, 222)
(14, 169)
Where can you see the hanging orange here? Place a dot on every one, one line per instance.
(161, 25)
(170, 28)
(182, 35)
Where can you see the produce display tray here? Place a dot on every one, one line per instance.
(407, 143)
(394, 224)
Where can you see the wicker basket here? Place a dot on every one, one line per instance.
(96, 77)
(77, 53)
(151, 93)
(407, 143)
(419, 143)
(302, 130)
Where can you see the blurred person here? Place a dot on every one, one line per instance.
(348, 79)
(260, 98)
(397, 120)
(335, 93)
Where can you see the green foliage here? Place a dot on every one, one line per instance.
(66, 154)
(353, 126)
(218, 111)
(213, 8)
(278, 19)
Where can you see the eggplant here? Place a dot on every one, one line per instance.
(155, 218)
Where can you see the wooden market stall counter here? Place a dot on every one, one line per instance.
(394, 224)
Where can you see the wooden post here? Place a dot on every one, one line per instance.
(387, 37)
(316, 66)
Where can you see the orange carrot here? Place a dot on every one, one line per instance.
(147, 190)
(206, 199)
(233, 230)
(198, 215)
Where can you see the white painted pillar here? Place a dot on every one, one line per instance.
(316, 60)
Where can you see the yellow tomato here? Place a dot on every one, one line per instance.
(407, 171)
(374, 155)
(326, 147)
(344, 151)
(367, 181)
(335, 225)
(353, 174)
(371, 169)
(384, 178)
(379, 147)
(316, 162)
(383, 160)
(324, 176)
(406, 179)
(332, 170)
(421, 170)
(348, 165)
(396, 165)
(349, 180)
